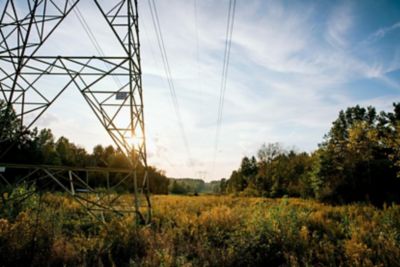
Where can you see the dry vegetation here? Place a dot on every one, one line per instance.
(203, 231)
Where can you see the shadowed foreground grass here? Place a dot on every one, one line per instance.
(204, 231)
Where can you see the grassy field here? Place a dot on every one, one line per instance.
(203, 231)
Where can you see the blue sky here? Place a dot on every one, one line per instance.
(294, 65)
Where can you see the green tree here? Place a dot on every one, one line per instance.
(16, 142)
(354, 162)
(158, 181)
(45, 145)
(389, 129)
(177, 188)
(9, 123)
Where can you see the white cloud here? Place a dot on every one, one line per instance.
(382, 32)
(338, 26)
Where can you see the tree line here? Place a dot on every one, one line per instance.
(358, 161)
(20, 145)
(189, 186)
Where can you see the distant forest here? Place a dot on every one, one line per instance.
(358, 161)
(41, 147)
(188, 186)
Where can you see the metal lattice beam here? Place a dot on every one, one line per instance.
(97, 202)
(26, 26)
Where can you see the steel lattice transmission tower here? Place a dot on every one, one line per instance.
(25, 69)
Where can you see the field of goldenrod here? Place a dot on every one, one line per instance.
(204, 231)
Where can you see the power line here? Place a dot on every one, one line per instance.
(94, 41)
(167, 69)
(197, 37)
(224, 76)
(146, 34)
(88, 31)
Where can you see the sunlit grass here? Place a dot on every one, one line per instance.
(207, 231)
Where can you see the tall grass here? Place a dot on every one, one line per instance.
(205, 231)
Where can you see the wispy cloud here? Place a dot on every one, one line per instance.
(382, 32)
(338, 25)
